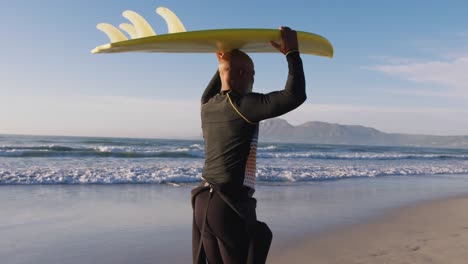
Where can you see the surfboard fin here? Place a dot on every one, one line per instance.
(130, 29)
(114, 34)
(139, 27)
(174, 24)
(142, 27)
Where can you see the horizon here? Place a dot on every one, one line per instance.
(399, 67)
(200, 138)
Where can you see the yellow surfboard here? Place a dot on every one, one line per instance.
(178, 40)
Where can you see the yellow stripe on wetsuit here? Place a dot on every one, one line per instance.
(241, 115)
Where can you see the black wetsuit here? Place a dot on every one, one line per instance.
(230, 130)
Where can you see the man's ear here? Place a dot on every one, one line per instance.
(219, 55)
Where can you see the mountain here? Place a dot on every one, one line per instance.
(279, 130)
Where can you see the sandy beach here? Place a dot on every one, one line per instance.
(346, 221)
(431, 232)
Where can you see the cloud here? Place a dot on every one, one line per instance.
(451, 73)
(443, 69)
(463, 34)
(421, 93)
(394, 60)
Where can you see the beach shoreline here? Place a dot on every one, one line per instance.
(151, 223)
(432, 231)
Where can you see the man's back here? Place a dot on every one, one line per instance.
(225, 227)
(230, 126)
(230, 144)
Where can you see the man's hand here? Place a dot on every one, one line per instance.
(288, 41)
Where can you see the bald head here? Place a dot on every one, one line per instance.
(237, 71)
(234, 60)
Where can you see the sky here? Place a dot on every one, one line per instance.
(399, 66)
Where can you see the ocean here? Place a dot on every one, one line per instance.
(120, 200)
(92, 160)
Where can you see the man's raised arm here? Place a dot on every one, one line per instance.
(256, 107)
(212, 89)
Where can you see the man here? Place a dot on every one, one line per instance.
(225, 228)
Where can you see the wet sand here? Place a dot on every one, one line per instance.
(431, 232)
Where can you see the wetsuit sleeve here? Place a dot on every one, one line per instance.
(212, 89)
(256, 107)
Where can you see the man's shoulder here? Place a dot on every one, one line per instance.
(214, 101)
(247, 95)
(248, 98)
(254, 94)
